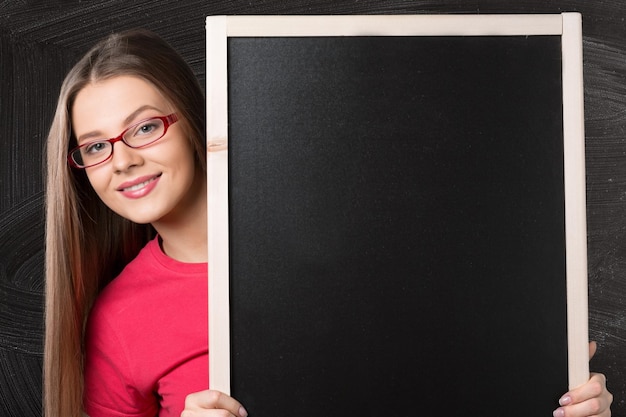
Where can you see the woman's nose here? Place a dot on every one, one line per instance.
(124, 157)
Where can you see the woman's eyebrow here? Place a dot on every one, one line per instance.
(140, 110)
(89, 135)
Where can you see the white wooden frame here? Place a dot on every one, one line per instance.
(219, 28)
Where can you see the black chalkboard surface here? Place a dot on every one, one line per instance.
(395, 218)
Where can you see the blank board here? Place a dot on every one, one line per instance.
(396, 213)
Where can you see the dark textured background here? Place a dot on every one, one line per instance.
(40, 40)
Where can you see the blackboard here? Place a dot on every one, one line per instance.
(396, 213)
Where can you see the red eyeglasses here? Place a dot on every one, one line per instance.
(139, 135)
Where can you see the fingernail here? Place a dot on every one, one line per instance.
(243, 412)
(559, 412)
(565, 400)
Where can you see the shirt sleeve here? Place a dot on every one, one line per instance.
(110, 389)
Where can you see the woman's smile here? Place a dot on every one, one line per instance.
(139, 187)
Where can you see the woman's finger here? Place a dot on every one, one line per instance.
(212, 399)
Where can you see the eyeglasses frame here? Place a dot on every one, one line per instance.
(168, 120)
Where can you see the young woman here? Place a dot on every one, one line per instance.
(126, 199)
(141, 348)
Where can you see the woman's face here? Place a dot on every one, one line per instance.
(147, 185)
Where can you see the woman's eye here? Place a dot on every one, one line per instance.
(96, 147)
(145, 129)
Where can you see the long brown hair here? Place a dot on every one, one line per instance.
(87, 244)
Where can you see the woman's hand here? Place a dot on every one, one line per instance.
(588, 400)
(211, 403)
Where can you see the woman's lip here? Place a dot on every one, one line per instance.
(136, 181)
(139, 187)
